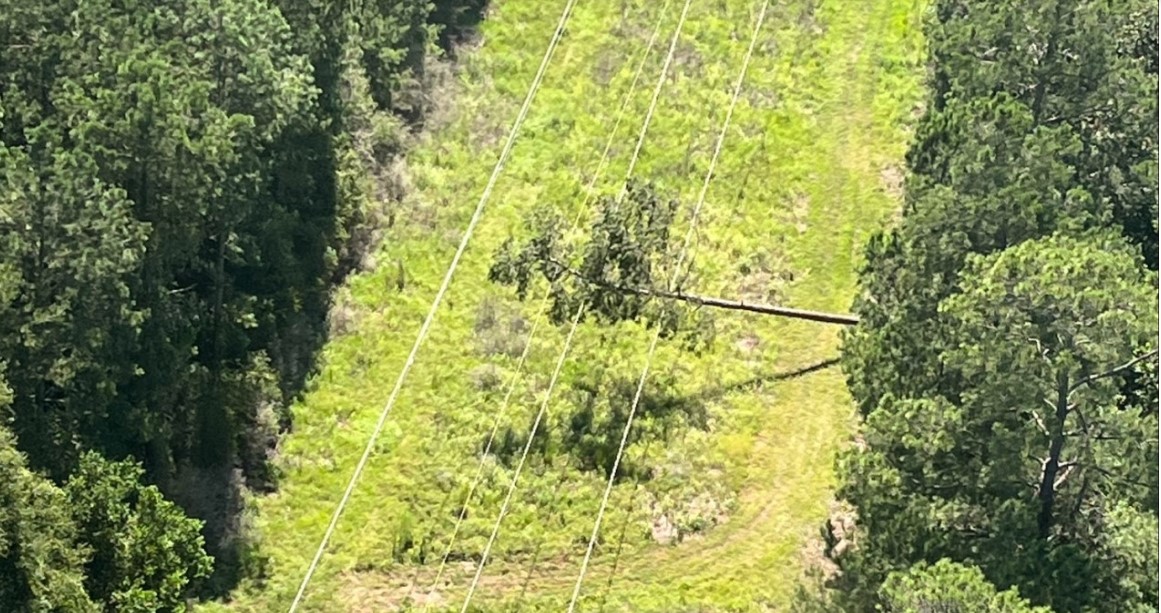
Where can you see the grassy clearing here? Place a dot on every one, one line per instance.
(806, 174)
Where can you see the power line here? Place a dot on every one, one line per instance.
(520, 465)
(657, 334)
(575, 321)
(476, 215)
(597, 174)
(625, 526)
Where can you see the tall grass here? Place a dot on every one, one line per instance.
(806, 175)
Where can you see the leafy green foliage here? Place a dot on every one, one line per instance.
(1011, 149)
(1006, 350)
(41, 568)
(947, 587)
(1017, 470)
(172, 218)
(72, 248)
(608, 275)
(145, 551)
(1082, 65)
(104, 538)
(1130, 543)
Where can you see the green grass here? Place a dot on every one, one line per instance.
(803, 181)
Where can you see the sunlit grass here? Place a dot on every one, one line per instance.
(802, 182)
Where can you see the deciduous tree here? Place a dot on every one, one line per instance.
(145, 551)
(948, 587)
(41, 568)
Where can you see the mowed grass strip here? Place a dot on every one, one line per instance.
(809, 169)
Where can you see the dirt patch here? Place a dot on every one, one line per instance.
(918, 110)
(410, 588)
(606, 68)
(423, 215)
(808, 20)
(761, 98)
(891, 178)
(440, 91)
(344, 315)
(691, 510)
(822, 551)
(489, 128)
(815, 561)
(362, 595)
(748, 343)
(486, 377)
(500, 329)
(799, 211)
(663, 531)
(840, 528)
(764, 278)
(687, 61)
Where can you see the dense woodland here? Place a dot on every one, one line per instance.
(183, 181)
(1005, 365)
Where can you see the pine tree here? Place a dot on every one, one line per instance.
(1018, 470)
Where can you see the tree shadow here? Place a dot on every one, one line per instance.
(590, 433)
(715, 393)
(459, 20)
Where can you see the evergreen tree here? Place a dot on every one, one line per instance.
(1040, 121)
(1020, 469)
(171, 222)
(72, 249)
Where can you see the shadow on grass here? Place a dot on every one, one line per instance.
(762, 379)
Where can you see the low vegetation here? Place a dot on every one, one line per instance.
(733, 466)
(223, 222)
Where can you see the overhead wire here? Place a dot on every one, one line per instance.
(575, 321)
(541, 309)
(676, 274)
(624, 529)
(423, 330)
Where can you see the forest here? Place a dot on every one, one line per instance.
(1005, 365)
(187, 184)
(182, 188)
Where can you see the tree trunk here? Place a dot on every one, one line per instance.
(720, 303)
(1041, 89)
(753, 307)
(1047, 493)
(215, 430)
(216, 435)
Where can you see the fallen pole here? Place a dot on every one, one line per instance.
(753, 307)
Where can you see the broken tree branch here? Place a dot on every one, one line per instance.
(722, 303)
(765, 309)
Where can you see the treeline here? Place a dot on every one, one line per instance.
(183, 181)
(1005, 365)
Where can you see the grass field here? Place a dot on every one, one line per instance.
(809, 170)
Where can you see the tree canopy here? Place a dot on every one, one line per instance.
(1019, 470)
(175, 205)
(1005, 361)
(947, 586)
(105, 541)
